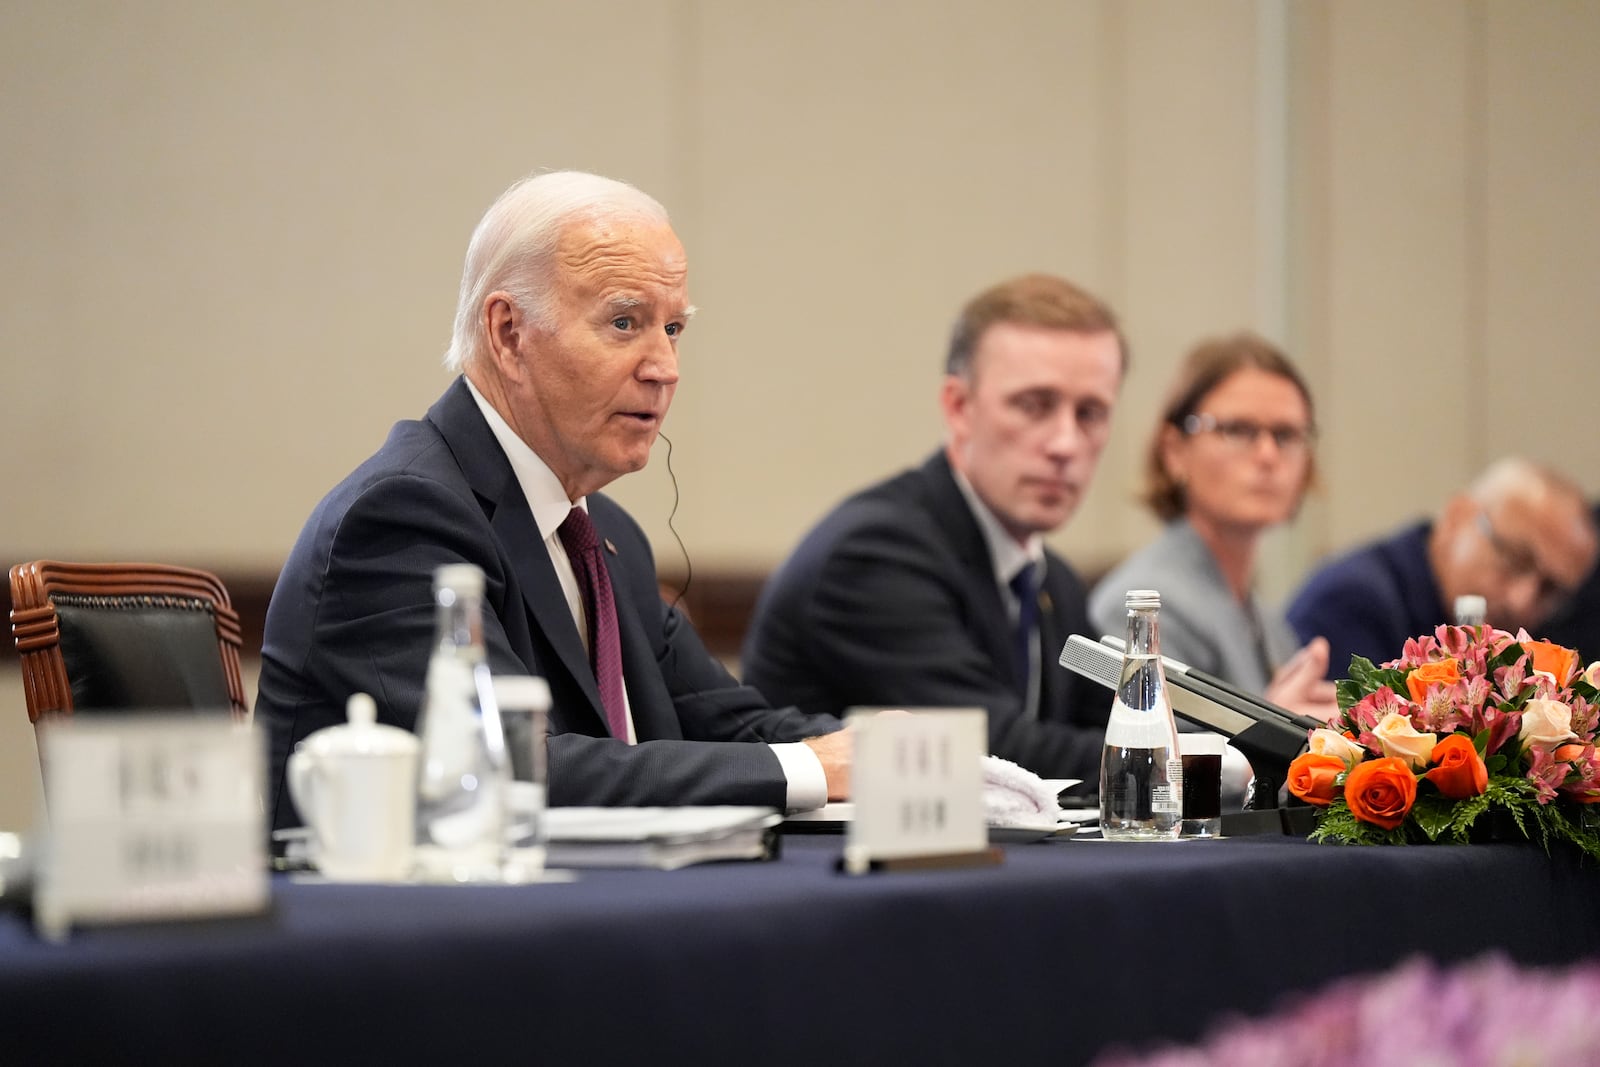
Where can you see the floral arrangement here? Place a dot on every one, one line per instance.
(1471, 728)
(1485, 1012)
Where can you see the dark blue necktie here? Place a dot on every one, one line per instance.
(1026, 587)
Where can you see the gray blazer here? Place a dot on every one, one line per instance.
(1201, 623)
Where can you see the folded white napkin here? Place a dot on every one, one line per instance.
(1014, 795)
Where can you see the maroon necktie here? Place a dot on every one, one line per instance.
(605, 650)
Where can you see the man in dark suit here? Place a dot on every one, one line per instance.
(934, 588)
(1576, 623)
(572, 302)
(1521, 536)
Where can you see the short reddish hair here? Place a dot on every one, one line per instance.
(1042, 300)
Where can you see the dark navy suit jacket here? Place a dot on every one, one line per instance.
(892, 600)
(353, 612)
(1368, 601)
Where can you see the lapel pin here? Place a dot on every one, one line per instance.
(1044, 601)
(611, 548)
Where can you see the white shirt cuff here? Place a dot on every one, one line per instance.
(808, 785)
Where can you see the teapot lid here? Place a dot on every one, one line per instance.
(363, 735)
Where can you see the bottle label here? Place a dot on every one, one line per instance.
(1167, 799)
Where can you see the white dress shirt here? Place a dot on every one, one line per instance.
(1008, 558)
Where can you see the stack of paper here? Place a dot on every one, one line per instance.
(665, 838)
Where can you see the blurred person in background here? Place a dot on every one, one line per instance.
(1521, 536)
(1231, 457)
(1576, 623)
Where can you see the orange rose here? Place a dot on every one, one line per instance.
(1459, 772)
(1558, 662)
(1381, 792)
(1445, 672)
(1311, 778)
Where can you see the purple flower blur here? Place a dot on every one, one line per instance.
(1489, 1012)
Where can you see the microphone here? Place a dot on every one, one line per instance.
(1269, 736)
(1174, 666)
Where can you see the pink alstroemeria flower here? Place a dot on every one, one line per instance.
(1585, 716)
(1363, 717)
(1508, 681)
(1583, 780)
(1545, 771)
(1445, 709)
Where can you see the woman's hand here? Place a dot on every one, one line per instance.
(1301, 686)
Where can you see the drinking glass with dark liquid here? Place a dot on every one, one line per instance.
(1202, 784)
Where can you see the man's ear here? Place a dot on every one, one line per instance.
(506, 330)
(954, 397)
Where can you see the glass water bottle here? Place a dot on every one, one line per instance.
(1141, 773)
(464, 771)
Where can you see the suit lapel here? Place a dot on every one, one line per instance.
(541, 592)
(991, 623)
(489, 474)
(649, 704)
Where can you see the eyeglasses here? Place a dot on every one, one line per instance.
(1519, 560)
(1244, 433)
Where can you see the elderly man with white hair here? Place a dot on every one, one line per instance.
(1521, 536)
(572, 304)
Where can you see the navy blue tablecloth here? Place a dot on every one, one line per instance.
(1066, 949)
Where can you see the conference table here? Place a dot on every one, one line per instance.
(1065, 950)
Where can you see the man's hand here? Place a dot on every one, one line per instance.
(1299, 684)
(833, 752)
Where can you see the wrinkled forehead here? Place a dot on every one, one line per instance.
(600, 258)
(1555, 528)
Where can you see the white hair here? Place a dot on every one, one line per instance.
(512, 248)
(1513, 477)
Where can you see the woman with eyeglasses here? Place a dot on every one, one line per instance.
(1231, 458)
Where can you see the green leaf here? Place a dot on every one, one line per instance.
(1507, 656)
(1433, 814)
(1338, 825)
(1364, 679)
(1364, 673)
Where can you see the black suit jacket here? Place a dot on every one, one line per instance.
(353, 612)
(891, 600)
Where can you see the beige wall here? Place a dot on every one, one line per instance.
(233, 234)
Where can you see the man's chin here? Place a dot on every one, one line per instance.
(1041, 520)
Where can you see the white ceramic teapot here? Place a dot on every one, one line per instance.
(355, 786)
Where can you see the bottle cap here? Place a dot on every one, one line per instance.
(1470, 610)
(465, 578)
(1143, 598)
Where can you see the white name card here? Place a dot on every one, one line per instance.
(917, 783)
(151, 817)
